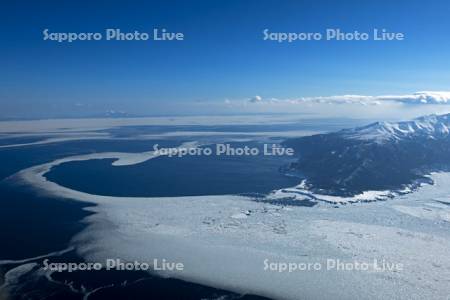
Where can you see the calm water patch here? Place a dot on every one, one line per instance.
(174, 176)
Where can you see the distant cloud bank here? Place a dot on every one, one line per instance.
(425, 97)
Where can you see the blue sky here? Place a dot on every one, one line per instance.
(222, 57)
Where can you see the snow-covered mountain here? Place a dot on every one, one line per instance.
(432, 127)
(378, 156)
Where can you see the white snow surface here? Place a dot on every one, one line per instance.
(432, 126)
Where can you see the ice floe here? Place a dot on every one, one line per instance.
(223, 241)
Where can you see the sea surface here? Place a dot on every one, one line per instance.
(35, 226)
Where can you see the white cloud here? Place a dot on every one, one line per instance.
(425, 97)
(255, 99)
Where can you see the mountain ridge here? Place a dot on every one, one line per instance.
(378, 156)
